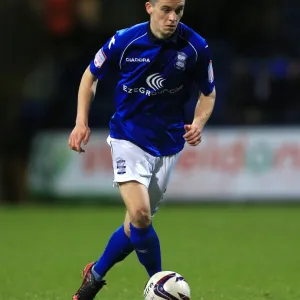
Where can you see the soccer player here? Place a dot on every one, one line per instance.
(157, 63)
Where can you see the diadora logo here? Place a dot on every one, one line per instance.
(155, 81)
(138, 59)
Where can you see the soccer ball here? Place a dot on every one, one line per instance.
(167, 285)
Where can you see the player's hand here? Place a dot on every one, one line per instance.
(192, 135)
(80, 133)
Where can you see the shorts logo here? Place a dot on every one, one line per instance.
(121, 168)
(155, 81)
(100, 58)
(181, 60)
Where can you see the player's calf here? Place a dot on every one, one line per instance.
(142, 234)
(147, 247)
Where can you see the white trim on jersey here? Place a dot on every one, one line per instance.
(127, 47)
(190, 45)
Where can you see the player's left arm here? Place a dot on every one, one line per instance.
(204, 109)
(204, 78)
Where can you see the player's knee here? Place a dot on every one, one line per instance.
(141, 217)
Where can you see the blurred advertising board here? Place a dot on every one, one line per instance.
(230, 165)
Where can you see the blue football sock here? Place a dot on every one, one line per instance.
(146, 244)
(117, 249)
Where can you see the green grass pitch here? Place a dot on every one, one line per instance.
(224, 252)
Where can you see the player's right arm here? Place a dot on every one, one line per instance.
(81, 132)
(105, 58)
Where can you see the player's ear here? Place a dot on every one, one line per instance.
(148, 6)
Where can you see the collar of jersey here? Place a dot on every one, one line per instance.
(154, 39)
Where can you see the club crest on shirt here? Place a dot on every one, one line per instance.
(181, 61)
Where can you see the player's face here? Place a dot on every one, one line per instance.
(165, 16)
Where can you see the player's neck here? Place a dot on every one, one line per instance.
(157, 33)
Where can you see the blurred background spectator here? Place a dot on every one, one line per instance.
(47, 44)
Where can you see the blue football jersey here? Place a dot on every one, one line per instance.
(155, 78)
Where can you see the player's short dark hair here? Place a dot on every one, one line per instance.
(153, 1)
